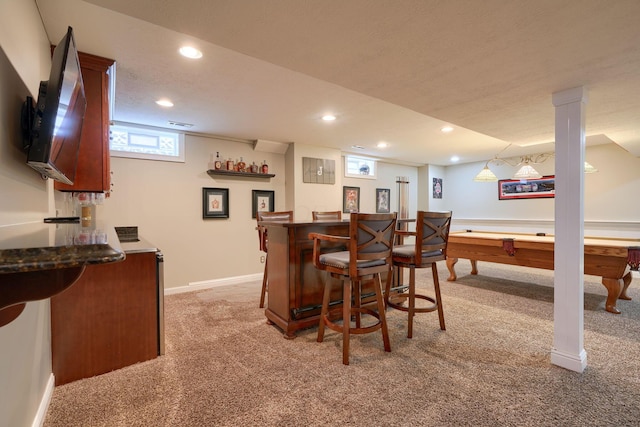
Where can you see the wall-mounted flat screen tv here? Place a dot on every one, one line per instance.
(53, 128)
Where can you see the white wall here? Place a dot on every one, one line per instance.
(164, 199)
(25, 344)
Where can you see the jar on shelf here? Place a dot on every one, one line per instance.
(264, 168)
(229, 164)
(242, 166)
(254, 168)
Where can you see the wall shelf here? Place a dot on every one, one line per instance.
(213, 172)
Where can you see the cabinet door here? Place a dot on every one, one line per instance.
(107, 320)
(93, 173)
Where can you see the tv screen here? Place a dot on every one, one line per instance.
(53, 129)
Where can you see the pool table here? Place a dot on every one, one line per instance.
(610, 258)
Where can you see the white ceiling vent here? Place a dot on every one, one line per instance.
(270, 146)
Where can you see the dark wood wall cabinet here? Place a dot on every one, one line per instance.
(93, 173)
(107, 320)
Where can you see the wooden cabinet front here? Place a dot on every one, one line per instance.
(107, 320)
(93, 173)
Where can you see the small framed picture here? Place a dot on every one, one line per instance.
(350, 199)
(263, 201)
(215, 203)
(437, 188)
(382, 200)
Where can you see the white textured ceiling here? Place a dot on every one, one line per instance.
(391, 71)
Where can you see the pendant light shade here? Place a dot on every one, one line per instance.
(527, 172)
(588, 168)
(485, 175)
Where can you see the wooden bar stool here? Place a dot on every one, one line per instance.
(370, 245)
(326, 216)
(431, 237)
(284, 216)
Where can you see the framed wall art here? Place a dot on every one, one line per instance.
(318, 171)
(382, 200)
(437, 188)
(263, 201)
(215, 203)
(538, 188)
(350, 199)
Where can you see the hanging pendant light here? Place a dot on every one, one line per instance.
(485, 175)
(588, 168)
(527, 172)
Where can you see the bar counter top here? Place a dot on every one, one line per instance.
(41, 246)
(39, 260)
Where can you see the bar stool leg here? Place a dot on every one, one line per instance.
(381, 312)
(346, 320)
(412, 300)
(357, 291)
(436, 285)
(324, 310)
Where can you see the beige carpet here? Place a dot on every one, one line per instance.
(225, 367)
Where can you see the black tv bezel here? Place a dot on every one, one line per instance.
(39, 121)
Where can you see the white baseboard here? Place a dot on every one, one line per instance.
(38, 421)
(206, 284)
(573, 362)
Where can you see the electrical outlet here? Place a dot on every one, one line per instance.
(262, 259)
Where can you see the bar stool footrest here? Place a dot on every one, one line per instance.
(361, 330)
(427, 309)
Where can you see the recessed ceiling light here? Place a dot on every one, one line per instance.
(357, 147)
(455, 159)
(190, 52)
(382, 144)
(164, 103)
(447, 129)
(328, 117)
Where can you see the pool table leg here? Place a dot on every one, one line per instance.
(627, 281)
(451, 262)
(614, 290)
(474, 266)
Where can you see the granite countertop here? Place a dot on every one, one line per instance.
(40, 246)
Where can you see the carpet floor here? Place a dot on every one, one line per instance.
(224, 366)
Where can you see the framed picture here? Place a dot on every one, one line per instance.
(215, 203)
(350, 199)
(538, 188)
(263, 201)
(382, 200)
(437, 188)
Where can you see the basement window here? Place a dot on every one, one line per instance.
(359, 167)
(140, 142)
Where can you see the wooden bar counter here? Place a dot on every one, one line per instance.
(295, 285)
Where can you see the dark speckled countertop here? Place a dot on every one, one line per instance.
(39, 246)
